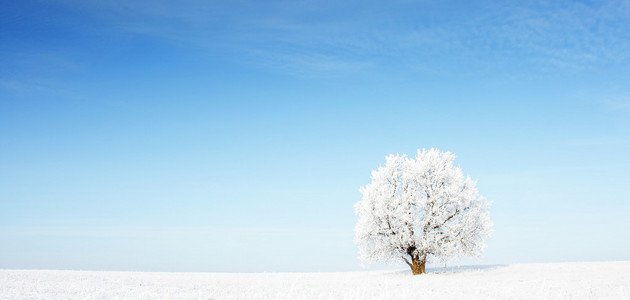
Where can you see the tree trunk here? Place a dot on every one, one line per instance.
(418, 266)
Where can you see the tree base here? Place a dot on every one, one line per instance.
(417, 267)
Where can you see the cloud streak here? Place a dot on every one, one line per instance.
(330, 38)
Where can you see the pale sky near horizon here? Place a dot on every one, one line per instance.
(233, 136)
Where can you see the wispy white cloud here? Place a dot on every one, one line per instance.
(83, 230)
(564, 33)
(324, 37)
(310, 64)
(609, 141)
(36, 71)
(49, 61)
(617, 103)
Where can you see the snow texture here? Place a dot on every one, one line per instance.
(598, 280)
(418, 209)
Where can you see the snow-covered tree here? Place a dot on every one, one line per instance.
(420, 209)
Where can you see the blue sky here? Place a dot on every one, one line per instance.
(233, 136)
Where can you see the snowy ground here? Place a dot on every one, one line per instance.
(598, 280)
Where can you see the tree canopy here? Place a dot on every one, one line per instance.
(421, 208)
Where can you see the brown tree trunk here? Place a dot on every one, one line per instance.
(417, 267)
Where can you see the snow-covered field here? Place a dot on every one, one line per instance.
(597, 280)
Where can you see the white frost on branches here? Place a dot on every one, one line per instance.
(419, 208)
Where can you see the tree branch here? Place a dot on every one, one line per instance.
(407, 261)
(449, 217)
